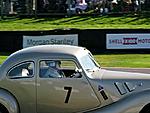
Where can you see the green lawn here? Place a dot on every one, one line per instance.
(114, 60)
(3, 57)
(124, 60)
(79, 22)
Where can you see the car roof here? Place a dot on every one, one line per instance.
(52, 49)
(45, 50)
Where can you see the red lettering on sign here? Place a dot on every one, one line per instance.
(129, 41)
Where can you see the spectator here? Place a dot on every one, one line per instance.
(101, 6)
(97, 4)
(110, 7)
(136, 7)
(81, 6)
(70, 7)
(45, 4)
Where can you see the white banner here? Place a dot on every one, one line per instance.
(128, 41)
(29, 41)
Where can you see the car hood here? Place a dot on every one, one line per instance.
(118, 84)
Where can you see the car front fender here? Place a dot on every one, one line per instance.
(7, 100)
(132, 103)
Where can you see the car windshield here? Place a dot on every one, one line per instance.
(89, 63)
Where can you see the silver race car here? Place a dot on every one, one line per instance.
(67, 79)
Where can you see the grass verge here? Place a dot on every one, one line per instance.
(3, 57)
(77, 22)
(124, 60)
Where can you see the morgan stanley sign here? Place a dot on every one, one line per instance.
(128, 41)
(29, 41)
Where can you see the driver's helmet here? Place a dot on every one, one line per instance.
(55, 65)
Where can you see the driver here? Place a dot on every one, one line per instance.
(54, 69)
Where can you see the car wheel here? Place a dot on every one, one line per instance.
(146, 109)
(3, 109)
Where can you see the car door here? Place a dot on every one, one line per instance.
(21, 83)
(63, 94)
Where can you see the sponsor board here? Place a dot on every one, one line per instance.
(29, 41)
(127, 41)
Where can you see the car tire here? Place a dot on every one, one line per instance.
(146, 109)
(3, 109)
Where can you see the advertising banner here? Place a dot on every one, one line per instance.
(128, 41)
(29, 41)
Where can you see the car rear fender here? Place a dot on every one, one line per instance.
(7, 100)
(132, 103)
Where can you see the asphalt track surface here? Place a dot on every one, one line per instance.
(134, 70)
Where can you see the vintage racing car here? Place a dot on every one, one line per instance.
(67, 79)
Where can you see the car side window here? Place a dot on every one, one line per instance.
(23, 70)
(57, 69)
